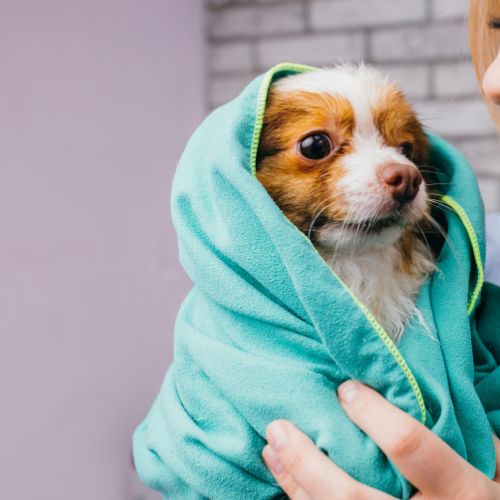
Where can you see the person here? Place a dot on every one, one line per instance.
(436, 470)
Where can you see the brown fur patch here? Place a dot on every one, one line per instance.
(397, 122)
(302, 187)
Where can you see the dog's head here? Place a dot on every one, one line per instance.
(341, 153)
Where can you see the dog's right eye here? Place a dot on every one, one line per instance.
(315, 146)
(406, 149)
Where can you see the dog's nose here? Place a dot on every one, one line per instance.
(402, 181)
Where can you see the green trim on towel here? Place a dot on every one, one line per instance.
(261, 104)
(382, 334)
(475, 249)
(391, 346)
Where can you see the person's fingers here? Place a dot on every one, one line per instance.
(424, 459)
(287, 482)
(311, 471)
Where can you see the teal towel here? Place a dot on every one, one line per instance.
(269, 331)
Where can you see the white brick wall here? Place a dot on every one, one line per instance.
(456, 118)
(287, 17)
(223, 88)
(415, 79)
(455, 80)
(482, 153)
(421, 44)
(358, 13)
(312, 49)
(449, 9)
(230, 58)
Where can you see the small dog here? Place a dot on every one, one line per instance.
(342, 155)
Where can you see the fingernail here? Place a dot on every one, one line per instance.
(348, 391)
(277, 436)
(272, 460)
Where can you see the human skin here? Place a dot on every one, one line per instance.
(491, 81)
(305, 473)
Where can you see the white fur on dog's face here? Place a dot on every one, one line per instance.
(367, 199)
(363, 194)
(338, 193)
(339, 190)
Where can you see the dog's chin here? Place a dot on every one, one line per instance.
(362, 235)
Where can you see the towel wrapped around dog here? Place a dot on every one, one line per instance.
(269, 331)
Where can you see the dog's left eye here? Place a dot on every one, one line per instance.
(406, 149)
(315, 146)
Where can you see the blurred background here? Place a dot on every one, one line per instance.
(97, 99)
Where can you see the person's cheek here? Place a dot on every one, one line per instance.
(491, 81)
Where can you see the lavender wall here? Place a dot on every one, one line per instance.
(97, 98)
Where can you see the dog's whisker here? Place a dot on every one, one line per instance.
(425, 238)
(315, 217)
(439, 204)
(443, 233)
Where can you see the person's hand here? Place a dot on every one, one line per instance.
(305, 473)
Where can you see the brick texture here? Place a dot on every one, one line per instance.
(231, 58)
(251, 21)
(420, 44)
(423, 43)
(357, 13)
(324, 49)
(414, 79)
(455, 80)
(449, 9)
(456, 119)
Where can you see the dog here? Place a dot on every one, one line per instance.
(343, 155)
